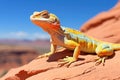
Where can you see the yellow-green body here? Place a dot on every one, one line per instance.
(70, 38)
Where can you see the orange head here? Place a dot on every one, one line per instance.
(45, 20)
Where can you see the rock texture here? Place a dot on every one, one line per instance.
(83, 69)
(105, 26)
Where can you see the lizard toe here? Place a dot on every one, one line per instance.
(66, 61)
(100, 61)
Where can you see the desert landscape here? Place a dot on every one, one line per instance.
(15, 53)
(104, 26)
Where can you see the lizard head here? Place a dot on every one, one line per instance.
(45, 20)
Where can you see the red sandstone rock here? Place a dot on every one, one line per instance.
(47, 69)
(105, 26)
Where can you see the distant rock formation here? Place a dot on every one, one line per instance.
(15, 56)
(105, 26)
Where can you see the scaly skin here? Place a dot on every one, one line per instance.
(71, 39)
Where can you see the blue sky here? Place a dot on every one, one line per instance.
(15, 22)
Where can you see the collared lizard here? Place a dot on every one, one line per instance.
(71, 39)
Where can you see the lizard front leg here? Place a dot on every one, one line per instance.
(52, 51)
(68, 60)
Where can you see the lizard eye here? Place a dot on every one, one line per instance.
(45, 15)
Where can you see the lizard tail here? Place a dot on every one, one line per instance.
(116, 46)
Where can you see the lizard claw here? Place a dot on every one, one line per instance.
(44, 55)
(66, 61)
(100, 61)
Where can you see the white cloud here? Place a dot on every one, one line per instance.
(41, 36)
(25, 35)
(19, 34)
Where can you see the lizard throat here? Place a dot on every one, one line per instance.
(57, 31)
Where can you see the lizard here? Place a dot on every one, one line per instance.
(71, 39)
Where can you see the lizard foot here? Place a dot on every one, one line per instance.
(66, 61)
(44, 55)
(100, 61)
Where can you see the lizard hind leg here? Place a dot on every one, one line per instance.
(103, 51)
(102, 57)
